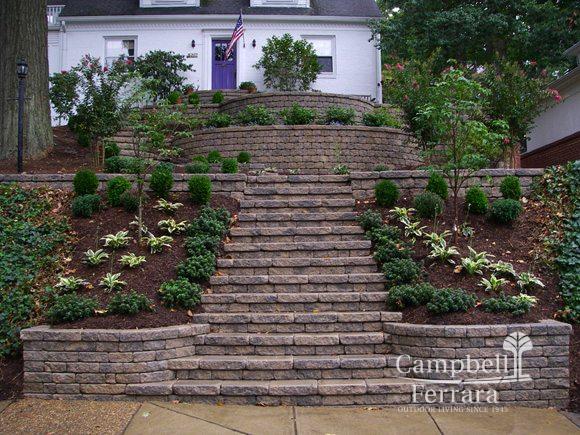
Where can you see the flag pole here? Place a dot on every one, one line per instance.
(244, 35)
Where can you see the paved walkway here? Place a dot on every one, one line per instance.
(62, 417)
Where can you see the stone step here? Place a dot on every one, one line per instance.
(293, 302)
(293, 180)
(297, 206)
(298, 192)
(305, 392)
(356, 248)
(297, 266)
(261, 220)
(286, 322)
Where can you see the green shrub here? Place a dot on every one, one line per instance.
(248, 86)
(381, 118)
(111, 149)
(244, 157)
(437, 185)
(370, 219)
(129, 304)
(202, 243)
(400, 271)
(476, 201)
(194, 99)
(515, 305)
(180, 293)
(114, 165)
(129, 201)
(511, 188)
(197, 168)
(200, 189)
(85, 206)
(230, 166)
(505, 211)
(219, 120)
(115, 188)
(161, 181)
(428, 205)
(390, 250)
(386, 193)
(17, 310)
(340, 115)
(410, 295)
(198, 268)
(255, 115)
(298, 115)
(202, 159)
(210, 222)
(174, 97)
(85, 182)
(84, 139)
(218, 98)
(214, 157)
(384, 234)
(450, 300)
(71, 307)
(381, 168)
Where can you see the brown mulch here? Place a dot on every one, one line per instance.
(146, 279)
(11, 377)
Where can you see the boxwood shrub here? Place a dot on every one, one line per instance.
(230, 166)
(370, 219)
(256, 115)
(199, 189)
(198, 268)
(505, 211)
(386, 193)
(476, 201)
(401, 271)
(129, 303)
(298, 115)
(115, 188)
(340, 115)
(161, 180)
(437, 185)
(180, 293)
(214, 157)
(428, 205)
(403, 296)
(450, 300)
(197, 168)
(511, 188)
(71, 307)
(85, 182)
(85, 206)
(244, 157)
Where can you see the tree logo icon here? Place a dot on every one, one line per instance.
(518, 343)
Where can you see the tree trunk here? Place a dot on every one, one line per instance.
(23, 35)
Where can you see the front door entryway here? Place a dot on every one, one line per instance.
(223, 71)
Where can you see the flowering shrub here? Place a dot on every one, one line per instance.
(161, 72)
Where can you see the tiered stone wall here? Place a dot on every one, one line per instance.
(545, 359)
(310, 148)
(77, 364)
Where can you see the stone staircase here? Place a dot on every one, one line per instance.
(297, 309)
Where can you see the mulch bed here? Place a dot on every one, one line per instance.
(145, 279)
(11, 377)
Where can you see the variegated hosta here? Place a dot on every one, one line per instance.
(135, 224)
(70, 283)
(170, 226)
(476, 262)
(132, 261)
(402, 213)
(166, 206)
(156, 244)
(443, 252)
(502, 268)
(493, 283)
(117, 241)
(436, 238)
(527, 280)
(112, 281)
(94, 258)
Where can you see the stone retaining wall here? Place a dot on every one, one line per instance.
(546, 359)
(311, 148)
(93, 364)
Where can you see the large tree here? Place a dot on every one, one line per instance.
(23, 35)
(479, 31)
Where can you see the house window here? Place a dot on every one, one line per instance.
(326, 52)
(115, 48)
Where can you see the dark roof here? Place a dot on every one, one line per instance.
(336, 8)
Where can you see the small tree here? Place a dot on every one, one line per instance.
(464, 141)
(161, 70)
(289, 65)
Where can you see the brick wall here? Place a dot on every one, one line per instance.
(557, 153)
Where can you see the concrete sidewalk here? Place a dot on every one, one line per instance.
(61, 417)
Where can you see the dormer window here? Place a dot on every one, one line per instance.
(280, 3)
(168, 3)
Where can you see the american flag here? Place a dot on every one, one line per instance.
(238, 33)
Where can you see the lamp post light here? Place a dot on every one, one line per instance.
(22, 71)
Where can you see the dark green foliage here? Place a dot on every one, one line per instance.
(199, 189)
(197, 168)
(381, 118)
(194, 99)
(162, 71)
(202, 159)
(129, 201)
(244, 157)
(428, 205)
(161, 181)
(476, 201)
(174, 97)
(115, 188)
(219, 120)
(505, 211)
(71, 307)
(437, 185)
(298, 115)
(380, 168)
(180, 293)
(202, 243)
(198, 268)
(511, 188)
(17, 307)
(116, 164)
(214, 157)
(384, 234)
(248, 86)
(370, 219)
(218, 97)
(84, 139)
(449, 300)
(386, 193)
(111, 149)
(85, 182)
(210, 222)
(129, 304)
(400, 271)
(230, 166)
(390, 250)
(340, 115)
(256, 115)
(85, 206)
(410, 295)
(507, 304)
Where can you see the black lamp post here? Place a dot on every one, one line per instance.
(22, 71)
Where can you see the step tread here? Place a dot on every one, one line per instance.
(298, 190)
(298, 318)
(296, 203)
(298, 216)
(297, 246)
(353, 278)
(294, 262)
(296, 231)
(293, 298)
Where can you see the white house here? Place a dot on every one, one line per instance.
(200, 29)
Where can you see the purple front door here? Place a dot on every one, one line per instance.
(223, 71)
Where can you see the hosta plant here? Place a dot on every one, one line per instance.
(502, 268)
(132, 261)
(493, 284)
(112, 282)
(401, 213)
(117, 241)
(476, 262)
(170, 226)
(94, 258)
(156, 244)
(442, 252)
(466, 230)
(70, 283)
(166, 206)
(527, 280)
(436, 238)
(413, 230)
(135, 224)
